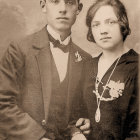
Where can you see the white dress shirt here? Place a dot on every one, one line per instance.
(60, 58)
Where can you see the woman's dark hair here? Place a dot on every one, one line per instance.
(120, 12)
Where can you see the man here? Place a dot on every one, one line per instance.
(39, 83)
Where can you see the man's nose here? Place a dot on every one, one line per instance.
(62, 7)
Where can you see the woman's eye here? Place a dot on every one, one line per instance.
(95, 25)
(111, 22)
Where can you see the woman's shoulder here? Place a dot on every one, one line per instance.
(132, 55)
(131, 58)
(130, 62)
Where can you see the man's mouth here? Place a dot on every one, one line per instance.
(62, 18)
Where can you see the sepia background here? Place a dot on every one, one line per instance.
(21, 17)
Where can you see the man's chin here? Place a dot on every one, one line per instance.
(64, 28)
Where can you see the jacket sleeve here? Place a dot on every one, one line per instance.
(132, 120)
(15, 124)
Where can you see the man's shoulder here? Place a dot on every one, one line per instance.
(33, 40)
(82, 52)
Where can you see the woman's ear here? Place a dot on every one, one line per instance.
(42, 4)
(80, 6)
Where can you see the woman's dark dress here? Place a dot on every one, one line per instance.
(119, 117)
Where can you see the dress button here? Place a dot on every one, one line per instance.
(43, 122)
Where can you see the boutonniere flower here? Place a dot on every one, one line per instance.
(116, 89)
(78, 57)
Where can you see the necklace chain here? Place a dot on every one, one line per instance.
(98, 96)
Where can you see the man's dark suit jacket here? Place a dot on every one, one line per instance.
(25, 87)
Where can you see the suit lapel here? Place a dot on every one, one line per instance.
(44, 60)
(75, 69)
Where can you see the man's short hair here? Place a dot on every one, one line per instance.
(120, 12)
(78, 1)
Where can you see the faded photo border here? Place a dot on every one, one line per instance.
(19, 18)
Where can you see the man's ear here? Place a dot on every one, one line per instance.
(42, 4)
(80, 6)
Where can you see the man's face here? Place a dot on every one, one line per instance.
(106, 29)
(61, 14)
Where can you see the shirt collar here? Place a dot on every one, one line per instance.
(56, 36)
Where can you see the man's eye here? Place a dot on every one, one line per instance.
(70, 2)
(54, 1)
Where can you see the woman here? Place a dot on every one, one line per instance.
(111, 79)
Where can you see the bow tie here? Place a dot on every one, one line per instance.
(57, 44)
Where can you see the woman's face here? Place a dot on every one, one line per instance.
(106, 29)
